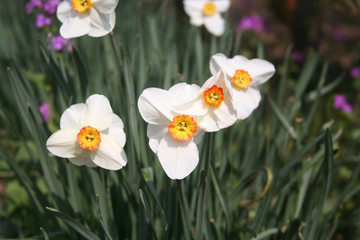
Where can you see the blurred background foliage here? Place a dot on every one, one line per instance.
(290, 171)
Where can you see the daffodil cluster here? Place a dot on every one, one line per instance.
(91, 134)
(177, 118)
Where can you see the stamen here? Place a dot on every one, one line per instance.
(214, 96)
(89, 138)
(182, 128)
(241, 79)
(209, 9)
(81, 5)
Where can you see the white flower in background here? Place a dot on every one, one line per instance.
(212, 103)
(207, 12)
(95, 18)
(90, 134)
(172, 136)
(245, 76)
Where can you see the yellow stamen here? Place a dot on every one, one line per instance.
(89, 138)
(182, 128)
(81, 5)
(241, 79)
(214, 96)
(209, 9)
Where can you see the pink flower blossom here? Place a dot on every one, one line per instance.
(33, 4)
(253, 22)
(59, 43)
(297, 56)
(355, 72)
(341, 103)
(42, 20)
(44, 109)
(50, 6)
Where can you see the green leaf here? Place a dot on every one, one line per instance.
(74, 224)
(283, 119)
(148, 177)
(148, 211)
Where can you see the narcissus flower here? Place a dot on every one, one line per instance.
(245, 75)
(207, 12)
(172, 136)
(90, 134)
(95, 18)
(213, 104)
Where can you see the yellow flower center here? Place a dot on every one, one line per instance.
(81, 5)
(182, 128)
(241, 79)
(89, 138)
(209, 9)
(214, 96)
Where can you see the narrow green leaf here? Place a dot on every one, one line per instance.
(326, 183)
(148, 211)
(148, 177)
(81, 229)
(46, 237)
(283, 119)
(24, 179)
(104, 227)
(306, 74)
(266, 233)
(223, 202)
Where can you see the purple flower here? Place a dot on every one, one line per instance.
(253, 22)
(355, 72)
(44, 109)
(337, 35)
(31, 5)
(50, 6)
(297, 56)
(59, 42)
(341, 103)
(42, 20)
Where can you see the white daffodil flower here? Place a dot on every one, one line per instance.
(207, 12)
(90, 134)
(213, 104)
(172, 136)
(95, 18)
(245, 76)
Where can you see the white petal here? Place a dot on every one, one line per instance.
(75, 26)
(177, 158)
(194, 10)
(183, 92)
(63, 10)
(101, 24)
(110, 155)
(116, 130)
(194, 107)
(154, 106)
(215, 24)
(222, 5)
(83, 159)
(245, 101)
(63, 143)
(226, 114)
(105, 6)
(260, 70)
(219, 79)
(208, 122)
(71, 117)
(238, 62)
(195, 4)
(99, 112)
(198, 135)
(220, 62)
(155, 133)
